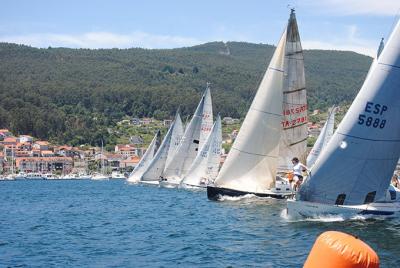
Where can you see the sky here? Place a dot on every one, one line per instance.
(356, 25)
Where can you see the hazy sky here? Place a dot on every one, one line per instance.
(354, 25)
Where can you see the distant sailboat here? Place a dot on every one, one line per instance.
(137, 173)
(252, 163)
(165, 153)
(323, 138)
(188, 147)
(353, 173)
(205, 167)
(102, 175)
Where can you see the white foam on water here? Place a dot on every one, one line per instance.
(238, 198)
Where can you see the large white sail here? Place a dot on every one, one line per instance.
(251, 163)
(205, 167)
(137, 173)
(357, 165)
(176, 136)
(293, 142)
(167, 147)
(323, 138)
(187, 149)
(207, 117)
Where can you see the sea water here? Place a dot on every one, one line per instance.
(114, 224)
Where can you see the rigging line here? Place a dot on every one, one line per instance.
(356, 137)
(265, 112)
(296, 90)
(295, 126)
(253, 153)
(394, 66)
(297, 142)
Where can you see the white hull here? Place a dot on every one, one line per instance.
(169, 183)
(306, 209)
(191, 186)
(156, 183)
(100, 177)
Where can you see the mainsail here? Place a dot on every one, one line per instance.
(188, 147)
(167, 149)
(207, 117)
(137, 173)
(293, 142)
(358, 163)
(251, 163)
(323, 138)
(205, 167)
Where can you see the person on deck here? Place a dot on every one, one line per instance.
(395, 181)
(298, 169)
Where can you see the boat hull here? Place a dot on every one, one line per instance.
(169, 184)
(215, 193)
(306, 209)
(155, 183)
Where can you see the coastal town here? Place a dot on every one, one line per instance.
(24, 154)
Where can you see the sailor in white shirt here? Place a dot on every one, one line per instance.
(298, 169)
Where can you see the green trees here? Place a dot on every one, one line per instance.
(73, 95)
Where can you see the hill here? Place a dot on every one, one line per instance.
(74, 95)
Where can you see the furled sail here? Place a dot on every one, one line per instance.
(207, 117)
(357, 165)
(294, 136)
(205, 167)
(137, 173)
(188, 147)
(323, 138)
(251, 163)
(167, 148)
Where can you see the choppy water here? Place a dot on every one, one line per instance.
(113, 224)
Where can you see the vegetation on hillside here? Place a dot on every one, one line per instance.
(74, 95)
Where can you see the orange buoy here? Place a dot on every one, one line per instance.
(336, 249)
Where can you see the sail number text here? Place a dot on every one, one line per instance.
(373, 117)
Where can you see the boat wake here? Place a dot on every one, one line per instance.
(319, 218)
(247, 197)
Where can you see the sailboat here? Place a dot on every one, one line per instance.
(189, 145)
(205, 167)
(251, 166)
(323, 138)
(165, 153)
(137, 173)
(353, 173)
(102, 175)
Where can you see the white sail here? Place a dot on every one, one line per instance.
(251, 163)
(176, 137)
(380, 48)
(357, 165)
(187, 149)
(136, 174)
(293, 142)
(205, 167)
(207, 117)
(323, 138)
(167, 147)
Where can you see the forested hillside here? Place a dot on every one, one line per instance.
(73, 95)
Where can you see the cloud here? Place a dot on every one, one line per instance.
(355, 7)
(350, 42)
(101, 40)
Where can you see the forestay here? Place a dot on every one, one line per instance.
(137, 173)
(167, 147)
(323, 138)
(251, 163)
(358, 163)
(293, 142)
(205, 166)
